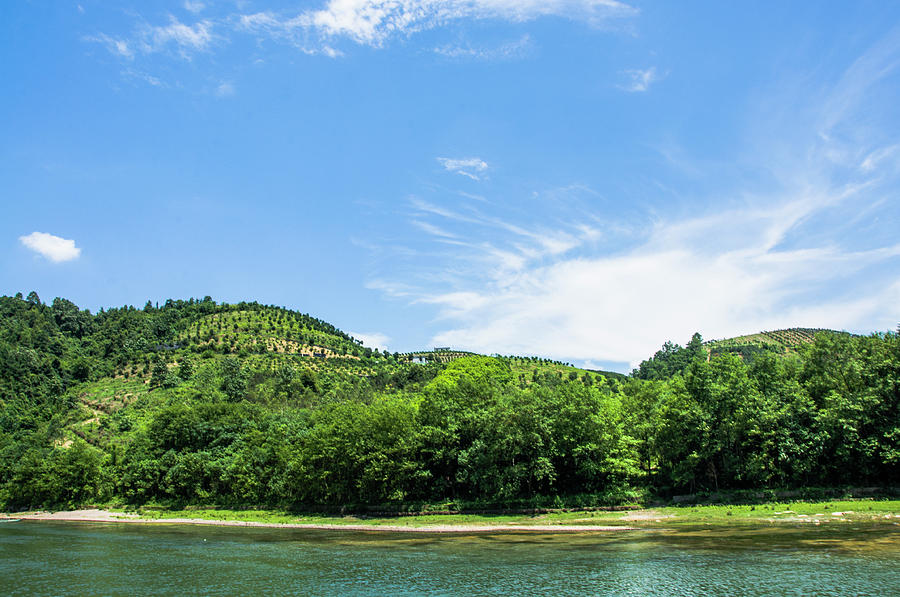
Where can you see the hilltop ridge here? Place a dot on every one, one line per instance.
(783, 341)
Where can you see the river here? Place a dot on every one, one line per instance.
(47, 558)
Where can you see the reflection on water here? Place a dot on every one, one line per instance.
(39, 558)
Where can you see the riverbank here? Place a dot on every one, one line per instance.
(817, 513)
(108, 516)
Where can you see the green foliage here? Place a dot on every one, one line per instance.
(671, 359)
(57, 478)
(160, 372)
(234, 379)
(186, 367)
(356, 453)
(195, 402)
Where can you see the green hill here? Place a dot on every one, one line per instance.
(778, 341)
(526, 369)
(197, 402)
(125, 364)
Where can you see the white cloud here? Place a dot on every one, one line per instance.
(373, 22)
(119, 47)
(479, 241)
(621, 307)
(146, 77)
(430, 208)
(432, 229)
(373, 339)
(365, 22)
(507, 51)
(856, 84)
(876, 157)
(811, 245)
(52, 247)
(186, 37)
(466, 166)
(260, 21)
(225, 89)
(540, 290)
(393, 289)
(151, 39)
(472, 196)
(640, 80)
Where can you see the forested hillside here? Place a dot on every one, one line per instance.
(206, 403)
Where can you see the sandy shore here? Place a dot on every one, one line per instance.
(122, 517)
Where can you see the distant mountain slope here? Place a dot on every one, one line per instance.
(251, 328)
(673, 358)
(779, 341)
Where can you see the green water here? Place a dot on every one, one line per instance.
(40, 558)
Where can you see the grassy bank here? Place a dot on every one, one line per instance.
(812, 512)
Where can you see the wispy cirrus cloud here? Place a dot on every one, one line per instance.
(320, 30)
(194, 6)
(120, 47)
(432, 229)
(186, 37)
(54, 248)
(225, 89)
(373, 22)
(815, 247)
(392, 288)
(149, 39)
(640, 80)
(619, 307)
(135, 74)
(878, 156)
(469, 167)
(507, 51)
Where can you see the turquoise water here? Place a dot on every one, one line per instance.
(42, 558)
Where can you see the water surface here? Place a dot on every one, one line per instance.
(45, 558)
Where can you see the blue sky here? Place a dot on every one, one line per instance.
(577, 179)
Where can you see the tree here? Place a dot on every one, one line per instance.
(234, 379)
(81, 369)
(186, 368)
(159, 372)
(671, 359)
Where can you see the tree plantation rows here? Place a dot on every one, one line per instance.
(195, 402)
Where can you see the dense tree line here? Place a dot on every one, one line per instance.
(280, 430)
